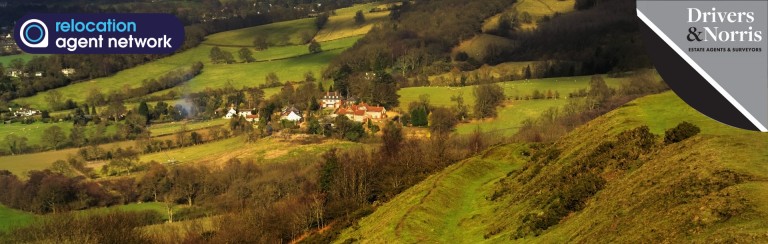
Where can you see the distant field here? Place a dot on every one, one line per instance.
(343, 24)
(511, 116)
(34, 132)
(132, 207)
(441, 96)
(20, 164)
(477, 46)
(497, 71)
(173, 127)
(10, 218)
(536, 8)
(6, 60)
(277, 34)
(269, 149)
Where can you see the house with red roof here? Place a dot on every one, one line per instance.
(363, 112)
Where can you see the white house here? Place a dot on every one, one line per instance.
(15, 73)
(331, 100)
(291, 114)
(231, 113)
(38, 74)
(68, 72)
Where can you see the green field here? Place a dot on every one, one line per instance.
(34, 132)
(6, 60)
(132, 207)
(441, 96)
(277, 34)
(342, 24)
(269, 149)
(637, 205)
(511, 116)
(536, 8)
(20, 164)
(173, 127)
(497, 71)
(10, 218)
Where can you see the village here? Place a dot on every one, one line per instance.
(333, 105)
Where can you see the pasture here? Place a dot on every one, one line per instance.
(10, 218)
(441, 96)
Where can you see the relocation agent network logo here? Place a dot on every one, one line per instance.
(99, 33)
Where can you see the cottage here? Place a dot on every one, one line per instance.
(291, 114)
(231, 113)
(68, 72)
(331, 100)
(15, 73)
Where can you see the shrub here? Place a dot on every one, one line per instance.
(683, 131)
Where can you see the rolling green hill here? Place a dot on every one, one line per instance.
(277, 34)
(707, 188)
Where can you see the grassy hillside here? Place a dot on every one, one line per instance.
(707, 188)
(277, 34)
(343, 24)
(10, 218)
(436, 209)
(537, 9)
(477, 46)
